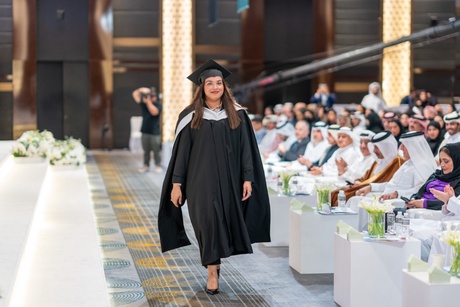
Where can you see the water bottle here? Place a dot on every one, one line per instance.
(269, 172)
(398, 223)
(342, 199)
(391, 223)
(405, 229)
(294, 186)
(279, 186)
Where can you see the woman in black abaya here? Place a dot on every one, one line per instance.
(216, 166)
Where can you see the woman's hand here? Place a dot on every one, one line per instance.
(176, 195)
(363, 191)
(247, 190)
(415, 203)
(442, 196)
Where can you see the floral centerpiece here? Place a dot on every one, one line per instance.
(33, 143)
(453, 238)
(323, 191)
(376, 210)
(285, 177)
(67, 152)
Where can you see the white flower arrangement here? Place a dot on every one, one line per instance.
(33, 143)
(374, 206)
(67, 152)
(453, 239)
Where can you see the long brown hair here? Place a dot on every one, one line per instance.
(228, 103)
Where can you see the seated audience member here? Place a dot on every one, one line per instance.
(404, 119)
(412, 174)
(423, 100)
(333, 147)
(429, 112)
(434, 137)
(270, 138)
(302, 135)
(344, 120)
(439, 192)
(452, 121)
(396, 128)
(361, 165)
(268, 111)
(358, 121)
(449, 174)
(347, 153)
(440, 120)
(410, 99)
(418, 123)
(386, 119)
(259, 130)
(317, 146)
(374, 99)
(323, 97)
(285, 136)
(331, 117)
(373, 122)
(384, 149)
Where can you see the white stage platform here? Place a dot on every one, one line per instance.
(50, 251)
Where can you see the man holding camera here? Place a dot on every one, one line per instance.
(150, 129)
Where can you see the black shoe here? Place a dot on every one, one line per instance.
(212, 291)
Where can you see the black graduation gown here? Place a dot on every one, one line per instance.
(212, 163)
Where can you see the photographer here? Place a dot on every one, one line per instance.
(150, 129)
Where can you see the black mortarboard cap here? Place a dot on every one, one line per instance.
(209, 69)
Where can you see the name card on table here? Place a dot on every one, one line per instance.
(354, 235)
(415, 264)
(437, 276)
(297, 205)
(342, 227)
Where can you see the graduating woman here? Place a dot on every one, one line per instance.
(216, 166)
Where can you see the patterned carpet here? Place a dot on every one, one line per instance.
(138, 274)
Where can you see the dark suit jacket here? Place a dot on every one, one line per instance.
(297, 149)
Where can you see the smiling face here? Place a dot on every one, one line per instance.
(452, 127)
(447, 165)
(213, 89)
(344, 140)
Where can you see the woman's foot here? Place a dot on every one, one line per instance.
(213, 280)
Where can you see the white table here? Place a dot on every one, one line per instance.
(418, 291)
(279, 213)
(311, 240)
(370, 273)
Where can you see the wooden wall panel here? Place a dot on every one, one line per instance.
(6, 70)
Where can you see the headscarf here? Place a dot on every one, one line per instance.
(421, 120)
(454, 149)
(452, 117)
(354, 138)
(322, 127)
(420, 153)
(374, 122)
(401, 128)
(434, 143)
(285, 128)
(387, 145)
